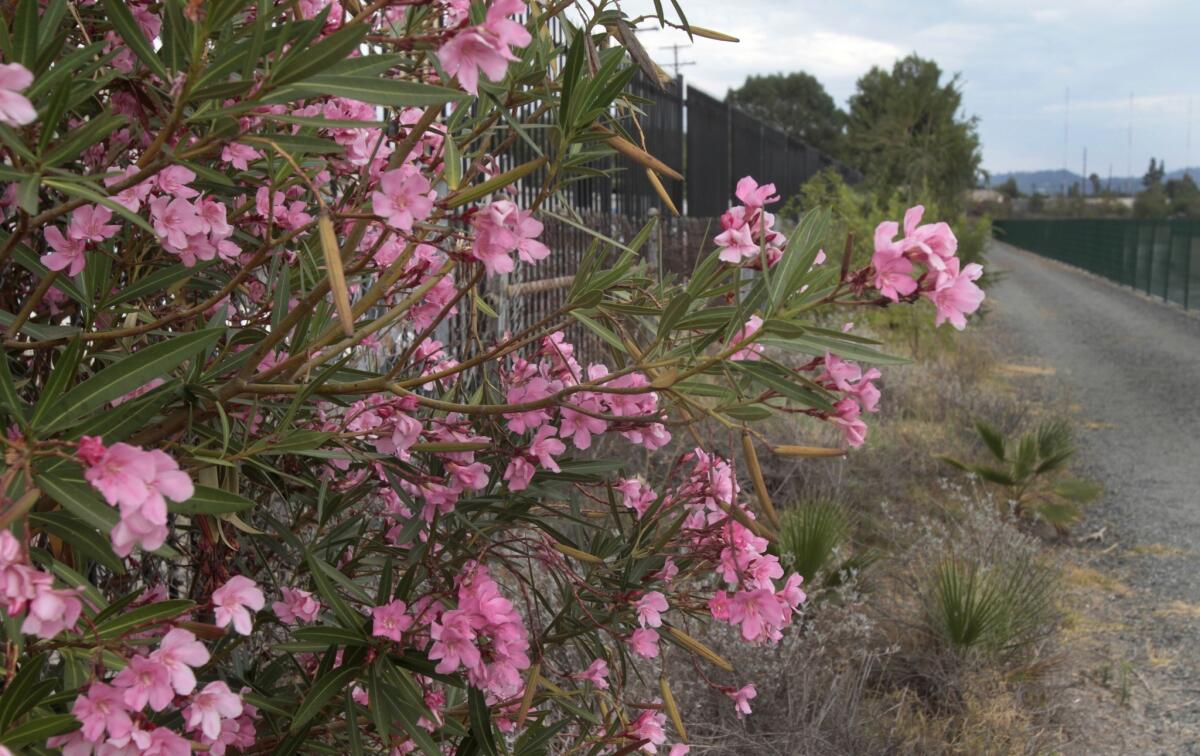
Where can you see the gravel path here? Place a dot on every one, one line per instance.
(1127, 370)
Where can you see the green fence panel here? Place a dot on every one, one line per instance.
(1159, 257)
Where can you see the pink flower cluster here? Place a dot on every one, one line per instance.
(485, 47)
(89, 223)
(138, 483)
(484, 635)
(945, 281)
(583, 414)
(743, 563)
(111, 713)
(23, 587)
(747, 229)
(502, 228)
(859, 394)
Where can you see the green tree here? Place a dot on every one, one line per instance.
(905, 131)
(798, 104)
(1097, 186)
(1154, 174)
(1184, 197)
(1009, 188)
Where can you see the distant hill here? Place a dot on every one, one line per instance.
(1053, 181)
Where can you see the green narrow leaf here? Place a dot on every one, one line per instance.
(210, 501)
(15, 698)
(323, 689)
(377, 91)
(25, 33)
(85, 538)
(39, 729)
(302, 62)
(65, 370)
(134, 371)
(481, 721)
(142, 616)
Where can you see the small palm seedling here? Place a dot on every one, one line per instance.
(1031, 472)
(809, 537)
(998, 607)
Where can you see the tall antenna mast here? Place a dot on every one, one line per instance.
(1066, 137)
(1187, 168)
(1129, 153)
(1084, 182)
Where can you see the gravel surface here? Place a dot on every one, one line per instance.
(1126, 369)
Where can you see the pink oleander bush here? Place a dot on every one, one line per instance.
(275, 481)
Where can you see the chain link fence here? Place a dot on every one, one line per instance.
(1159, 257)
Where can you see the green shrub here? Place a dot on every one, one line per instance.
(996, 607)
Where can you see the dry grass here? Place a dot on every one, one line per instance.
(864, 674)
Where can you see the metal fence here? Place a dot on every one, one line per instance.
(1159, 257)
(710, 142)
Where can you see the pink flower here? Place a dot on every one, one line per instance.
(174, 180)
(179, 652)
(649, 607)
(120, 474)
(297, 605)
(847, 417)
(145, 681)
(160, 741)
(893, 271)
(738, 244)
(68, 253)
(636, 495)
(52, 610)
(934, 241)
(174, 220)
(545, 447)
(485, 47)
(239, 155)
(596, 674)
(519, 473)
(91, 223)
(15, 109)
(754, 196)
(955, 294)
(210, 706)
(453, 642)
(502, 228)
(751, 351)
(679, 749)
(391, 620)
(741, 699)
(650, 726)
(234, 601)
(403, 198)
(102, 709)
(644, 642)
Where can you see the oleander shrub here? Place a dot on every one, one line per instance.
(274, 479)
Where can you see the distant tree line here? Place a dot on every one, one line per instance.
(903, 128)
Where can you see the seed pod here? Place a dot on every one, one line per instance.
(786, 450)
(333, 267)
(698, 648)
(672, 710)
(760, 485)
(700, 31)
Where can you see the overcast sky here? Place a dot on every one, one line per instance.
(1016, 57)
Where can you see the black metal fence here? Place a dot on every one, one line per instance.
(1159, 257)
(710, 142)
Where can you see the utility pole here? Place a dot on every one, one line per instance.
(676, 64)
